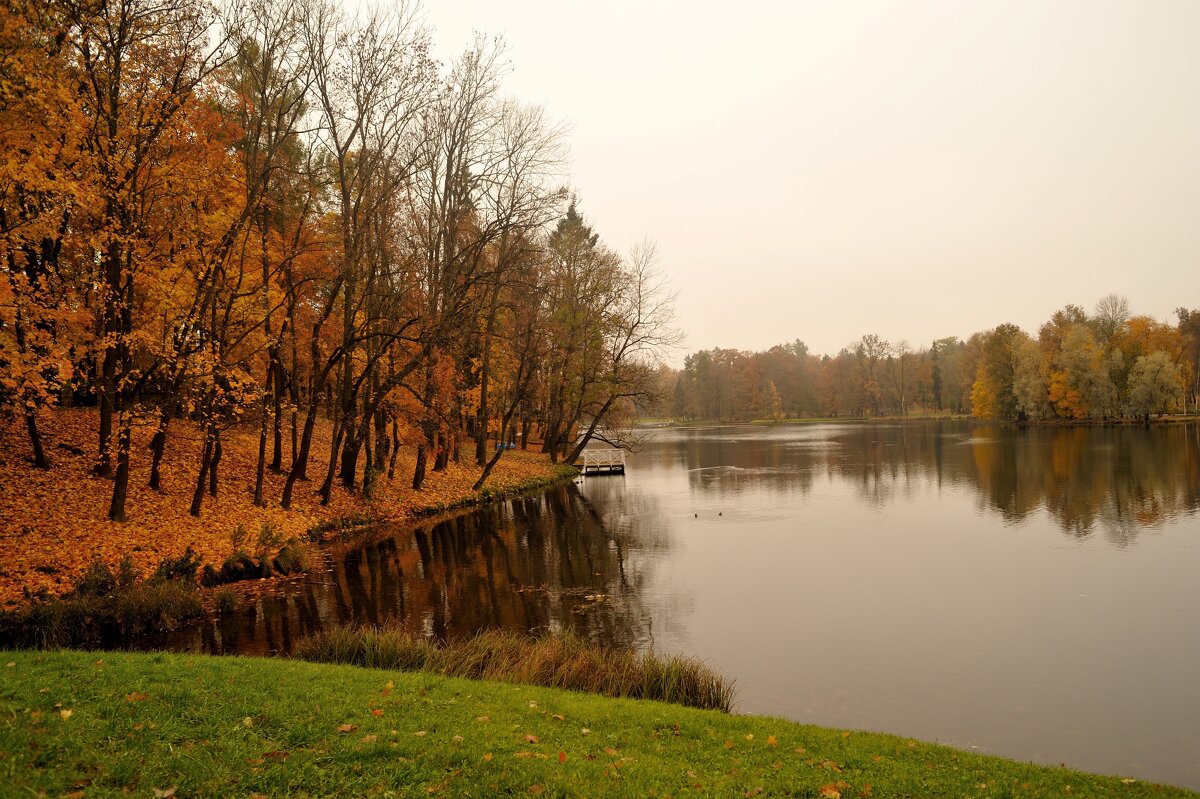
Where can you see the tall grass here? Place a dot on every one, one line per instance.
(86, 618)
(558, 661)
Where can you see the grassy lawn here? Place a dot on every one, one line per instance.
(109, 724)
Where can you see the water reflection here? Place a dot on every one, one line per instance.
(1116, 479)
(545, 562)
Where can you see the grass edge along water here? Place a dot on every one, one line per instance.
(103, 724)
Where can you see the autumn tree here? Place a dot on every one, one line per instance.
(42, 185)
(1155, 383)
(140, 64)
(992, 395)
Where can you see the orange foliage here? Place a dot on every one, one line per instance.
(54, 522)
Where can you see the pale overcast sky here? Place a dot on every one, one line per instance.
(819, 170)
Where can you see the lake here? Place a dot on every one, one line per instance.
(1032, 593)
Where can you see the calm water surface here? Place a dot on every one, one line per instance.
(1030, 593)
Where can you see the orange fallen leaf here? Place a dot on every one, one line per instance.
(347, 728)
(531, 739)
(377, 712)
(562, 757)
(136, 697)
(771, 741)
(829, 792)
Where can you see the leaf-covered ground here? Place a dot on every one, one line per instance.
(110, 724)
(54, 523)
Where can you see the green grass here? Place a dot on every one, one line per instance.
(558, 661)
(103, 724)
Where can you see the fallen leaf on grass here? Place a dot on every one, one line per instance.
(347, 728)
(608, 750)
(165, 793)
(377, 712)
(728, 744)
(771, 741)
(136, 697)
(531, 739)
(535, 789)
(487, 757)
(65, 713)
(562, 757)
(829, 792)
(483, 718)
(278, 754)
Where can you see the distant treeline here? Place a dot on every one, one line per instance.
(1106, 364)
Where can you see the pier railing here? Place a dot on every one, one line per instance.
(597, 461)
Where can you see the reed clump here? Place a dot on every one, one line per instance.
(557, 661)
(103, 611)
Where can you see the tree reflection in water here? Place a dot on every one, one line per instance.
(1121, 480)
(563, 560)
(536, 563)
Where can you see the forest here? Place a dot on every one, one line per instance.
(285, 215)
(1104, 365)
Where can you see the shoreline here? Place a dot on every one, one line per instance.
(116, 721)
(47, 544)
(1164, 419)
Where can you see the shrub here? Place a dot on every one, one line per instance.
(127, 575)
(182, 568)
(291, 559)
(97, 580)
(269, 538)
(226, 602)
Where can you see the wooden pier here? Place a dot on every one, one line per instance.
(604, 461)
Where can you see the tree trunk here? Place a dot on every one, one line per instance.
(158, 447)
(202, 477)
(40, 459)
(395, 449)
(419, 470)
(442, 458)
(116, 509)
(212, 468)
(300, 463)
(587, 437)
(269, 393)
